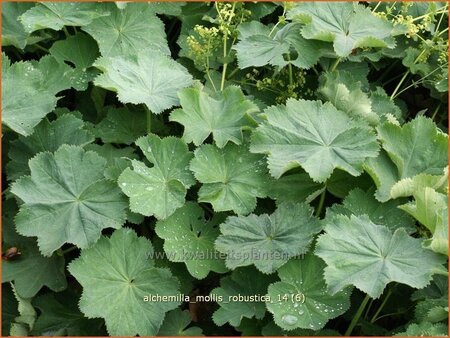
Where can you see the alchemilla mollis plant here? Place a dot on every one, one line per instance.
(214, 168)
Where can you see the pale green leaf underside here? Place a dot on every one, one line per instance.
(315, 136)
(232, 177)
(67, 200)
(119, 266)
(417, 147)
(223, 115)
(369, 256)
(315, 306)
(190, 239)
(268, 241)
(128, 31)
(148, 77)
(347, 25)
(159, 190)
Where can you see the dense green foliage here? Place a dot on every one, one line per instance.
(284, 165)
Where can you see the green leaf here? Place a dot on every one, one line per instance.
(256, 48)
(57, 75)
(60, 316)
(417, 147)
(67, 200)
(242, 282)
(425, 329)
(122, 125)
(176, 323)
(120, 267)
(9, 308)
(309, 305)
(347, 25)
(315, 136)
(232, 177)
(431, 209)
(432, 310)
(128, 31)
(148, 77)
(294, 188)
(223, 114)
(56, 15)
(30, 271)
(47, 136)
(345, 93)
(23, 88)
(81, 51)
(159, 190)
(266, 241)
(190, 239)
(27, 316)
(409, 186)
(360, 203)
(369, 256)
(13, 33)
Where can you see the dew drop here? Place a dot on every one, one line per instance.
(289, 319)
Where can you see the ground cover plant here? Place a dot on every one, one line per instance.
(212, 168)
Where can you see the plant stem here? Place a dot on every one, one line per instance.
(66, 32)
(374, 318)
(335, 64)
(38, 46)
(63, 252)
(291, 78)
(399, 85)
(225, 54)
(321, 202)
(149, 120)
(436, 111)
(232, 73)
(357, 316)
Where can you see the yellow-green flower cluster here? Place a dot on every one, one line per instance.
(203, 44)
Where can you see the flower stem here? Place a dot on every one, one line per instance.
(374, 318)
(357, 316)
(321, 202)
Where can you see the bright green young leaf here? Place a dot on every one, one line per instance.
(345, 93)
(30, 271)
(369, 256)
(116, 275)
(148, 77)
(346, 24)
(268, 241)
(47, 136)
(315, 136)
(232, 178)
(25, 101)
(190, 239)
(122, 126)
(56, 15)
(161, 189)
(176, 323)
(417, 147)
(67, 200)
(223, 115)
(13, 32)
(60, 316)
(245, 282)
(128, 31)
(257, 48)
(81, 51)
(309, 305)
(360, 203)
(430, 208)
